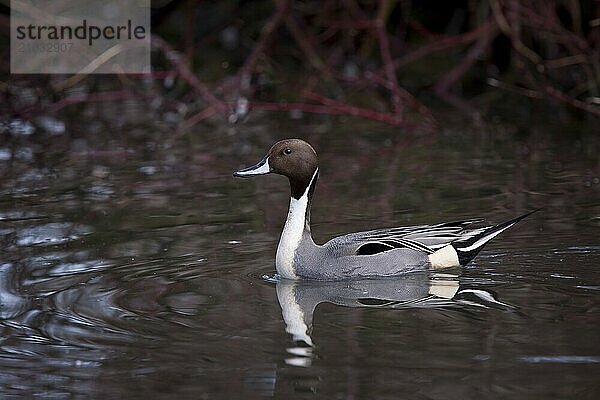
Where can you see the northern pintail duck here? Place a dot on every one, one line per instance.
(375, 253)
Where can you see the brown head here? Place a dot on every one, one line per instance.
(293, 158)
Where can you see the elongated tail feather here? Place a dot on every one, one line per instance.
(468, 249)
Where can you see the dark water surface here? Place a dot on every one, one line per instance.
(132, 268)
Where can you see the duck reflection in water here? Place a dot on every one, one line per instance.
(298, 300)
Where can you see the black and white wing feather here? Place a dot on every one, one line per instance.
(423, 238)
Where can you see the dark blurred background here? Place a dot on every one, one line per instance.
(403, 63)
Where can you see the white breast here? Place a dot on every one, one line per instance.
(291, 237)
(292, 234)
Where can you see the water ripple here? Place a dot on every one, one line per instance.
(560, 359)
(51, 234)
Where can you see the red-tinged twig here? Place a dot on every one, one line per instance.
(311, 51)
(190, 29)
(346, 24)
(361, 21)
(307, 46)
(461, 104)
(443, 43)
(566, 61)
(534, 94)
(355, 10)
(386, 56)
(244, 73)
(510, 30)
(549, 22)
(322, 99)
(329, 107)
(565, 98)
(185, 73)
(423, 31)
(376, 79)
(91, 97)
(452, 76)
(340, 109)
(577, 46)
(353, 110)
(198, 117)
(190, 122)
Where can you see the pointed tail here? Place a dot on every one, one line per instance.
(468, 249)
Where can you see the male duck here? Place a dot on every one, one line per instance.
(376, 253)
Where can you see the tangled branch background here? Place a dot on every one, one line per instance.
(388, 61)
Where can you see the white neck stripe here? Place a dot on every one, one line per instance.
(292, 233)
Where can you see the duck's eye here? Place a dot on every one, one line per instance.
(287, 151)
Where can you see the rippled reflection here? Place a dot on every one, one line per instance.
(299, 299)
